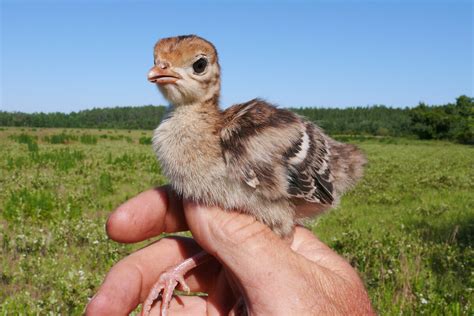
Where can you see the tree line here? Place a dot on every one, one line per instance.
(452, 121)
(142, 117)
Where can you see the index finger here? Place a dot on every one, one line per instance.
(130, 280)
(147, 215)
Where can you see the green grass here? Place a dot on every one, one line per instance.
(408, 227)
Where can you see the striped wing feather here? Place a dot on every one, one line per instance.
(277, 153)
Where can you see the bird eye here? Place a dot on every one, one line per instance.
(200, 65)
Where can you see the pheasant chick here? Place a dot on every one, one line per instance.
(252, 157)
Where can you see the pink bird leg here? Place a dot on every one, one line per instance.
(169, 280)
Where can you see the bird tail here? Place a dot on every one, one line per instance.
(348, 164)
(347, 168)
(357, 162)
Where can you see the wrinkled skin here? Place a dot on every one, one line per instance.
(274, 277)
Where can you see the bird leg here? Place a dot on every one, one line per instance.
(169, 280)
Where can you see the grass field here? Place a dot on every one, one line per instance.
(408, 227)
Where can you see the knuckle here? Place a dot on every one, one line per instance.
(240, 229)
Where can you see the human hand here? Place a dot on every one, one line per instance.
(273, 277)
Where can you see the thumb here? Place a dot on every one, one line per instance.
(229, 236)
(256, 257)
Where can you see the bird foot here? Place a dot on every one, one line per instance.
(169, 280)
(165, 286)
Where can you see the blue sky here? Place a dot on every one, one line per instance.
(72, 55)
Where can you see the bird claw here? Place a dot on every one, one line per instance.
(169, 280)
(165, 285)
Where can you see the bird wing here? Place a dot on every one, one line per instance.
(276, 152)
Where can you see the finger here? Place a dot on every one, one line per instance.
(257, 257)
(183, 306)
(191, 305)
(306, 243)
(221, 297)
(309, 246)
(230, 235)
(129, 281)
(260, 262)
(218, 302)
(147, 215)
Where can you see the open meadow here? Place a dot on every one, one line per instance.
(408, 227)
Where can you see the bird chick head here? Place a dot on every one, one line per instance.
(186, 70)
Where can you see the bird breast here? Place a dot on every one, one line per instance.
(189, 152)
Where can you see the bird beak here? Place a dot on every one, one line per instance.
(162, 76)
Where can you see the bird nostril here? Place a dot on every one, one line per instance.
(163, 65)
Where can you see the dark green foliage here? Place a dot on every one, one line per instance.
(33, 149)
(376, 120)
(28, 203)
(23, 138)
(144, 140)
(106, 183)
(63, 159)
(120, 137)
(450, 121)
(144, 117)
(88, 139)
(124, 161)
(30, 141)
(62, 138)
